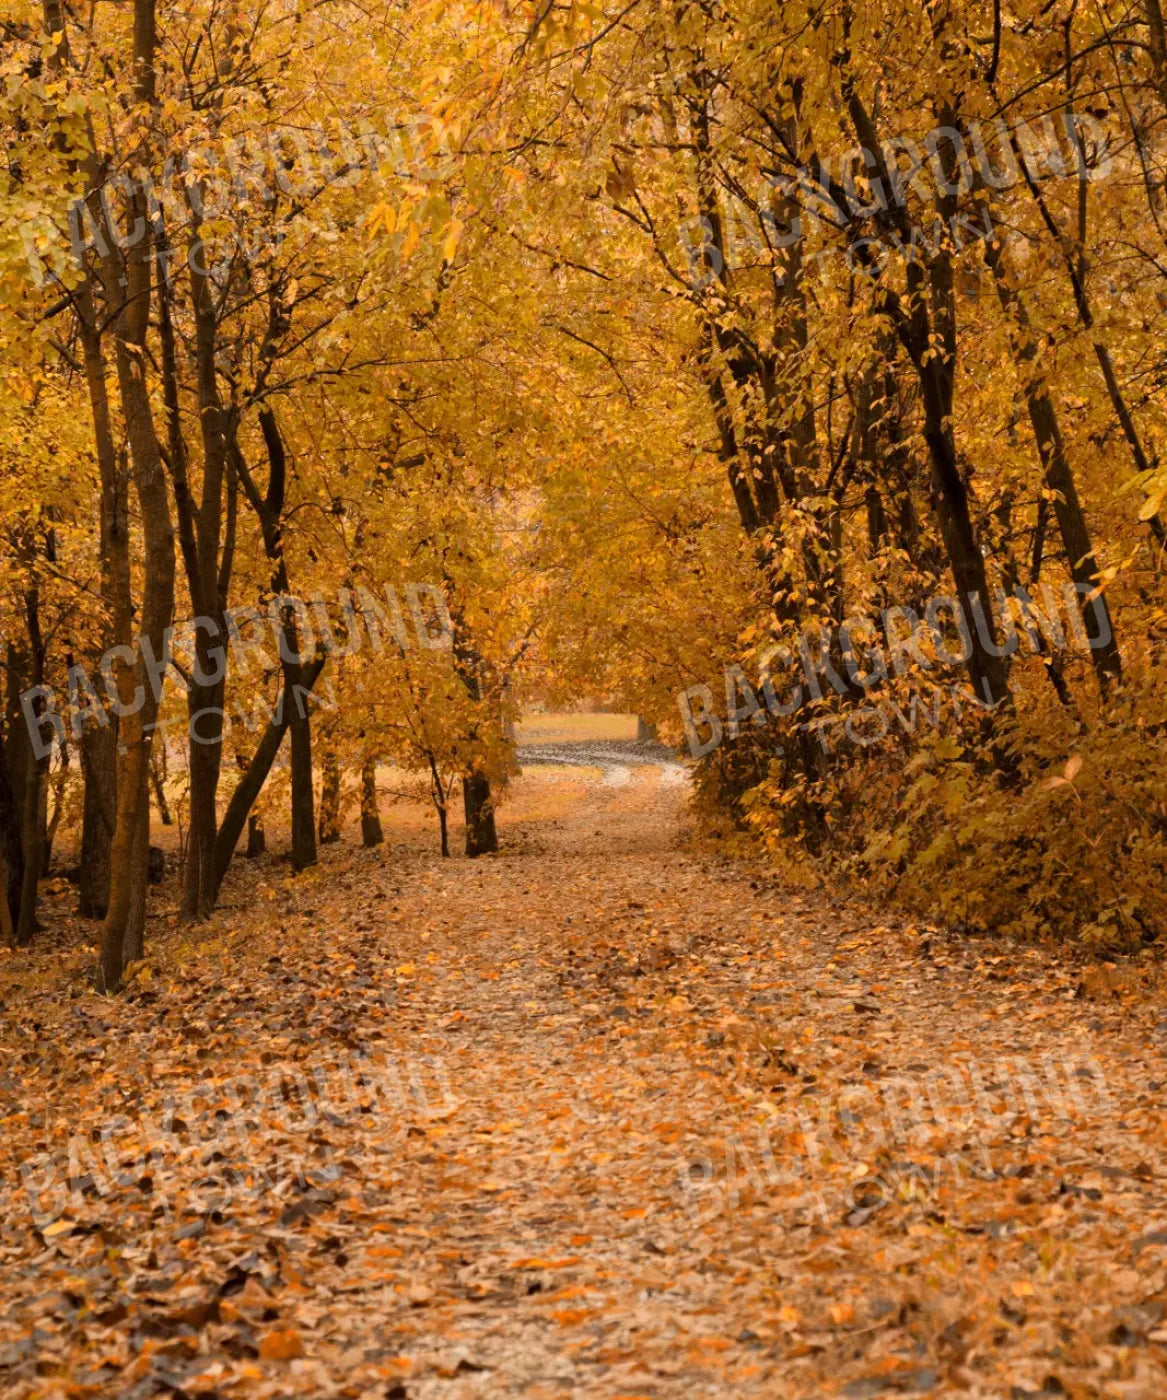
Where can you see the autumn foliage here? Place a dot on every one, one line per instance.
(386, 377)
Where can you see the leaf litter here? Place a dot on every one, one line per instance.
(607, 1114)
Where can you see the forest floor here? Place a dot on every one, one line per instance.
(606, 1114)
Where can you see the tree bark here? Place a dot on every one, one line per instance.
(32, 843)
(11, 845)
(231, 827)
(208, 573)
(32, 831)
(17, 750)
(158, 783)
(1059, 477)
(1158, 47)
(99, 742)
(303, 798)
(481, 835)
(53, 824)
(1075, 262)
(330, 799)
(371, 832)
(205, 727)
(98, 817)
(269, 512)
(7, 931)
(124, 921)
(926, 328)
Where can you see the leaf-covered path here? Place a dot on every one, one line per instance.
(599, 1116)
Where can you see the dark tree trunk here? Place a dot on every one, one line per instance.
(32, 842)
(36, 769)
(53, 824)
(7, 931)
(242, 799)
(99, 742)
(925, 323)
(330, 799)
(135, 935)
(256, 838)
(371, 832)
(122, 931)
(303, 799)
(481, 836)
(1158, 46)
(158, 777)
(17, 750)
(208, 558)
(205, 711)
(1059, 477)
(99, 811)
(299, 675)
(960, 542)
(11, 845)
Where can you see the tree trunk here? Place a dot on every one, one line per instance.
(1059, 477)
(158, 777)
(205, 712)
(371, 832)
(32, 843)
(99, 814)
(7, 932)
(231, 827)
(35, 776)
(299, 676)
(11, 846)
(200, 530)
(303, 799)
(481, 836)
(256, 837)
(53, 824)
(330, 799)
(926, 327)
(134, 941)
(1158, 47)
(17, 750)
(985, 670)
(122, 929)
(99, 742)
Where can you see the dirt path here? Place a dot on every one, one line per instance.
(596, 1117)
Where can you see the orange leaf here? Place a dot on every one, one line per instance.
(570, 1317)
(281, 1346)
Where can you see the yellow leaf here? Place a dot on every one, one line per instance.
(412, 239)
(453, 233)
(383, 216)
